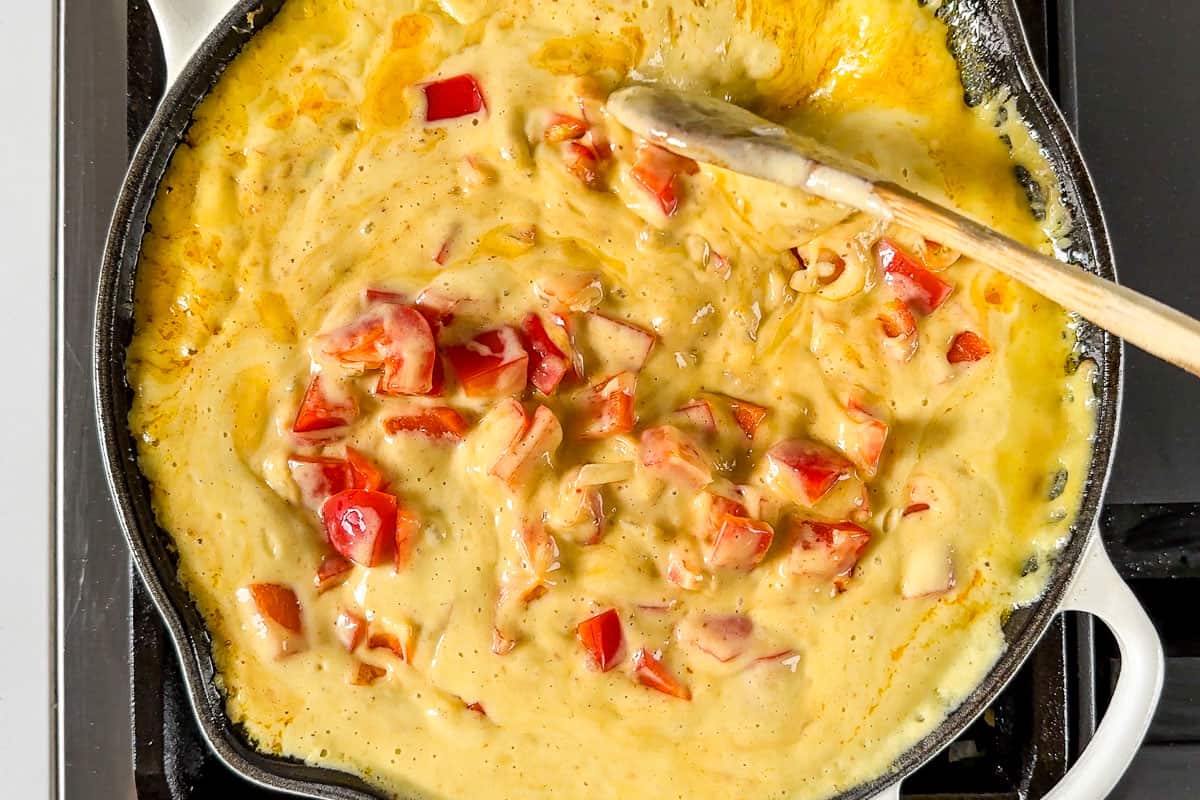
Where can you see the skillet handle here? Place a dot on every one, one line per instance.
(1098, 590)
(183, 25)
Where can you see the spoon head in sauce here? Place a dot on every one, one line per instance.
(726, 135)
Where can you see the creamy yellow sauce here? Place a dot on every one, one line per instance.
(310, 176)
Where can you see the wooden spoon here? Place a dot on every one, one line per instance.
(729, 136)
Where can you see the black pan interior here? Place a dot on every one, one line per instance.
(987, 41)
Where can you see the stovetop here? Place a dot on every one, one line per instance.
(125, 728)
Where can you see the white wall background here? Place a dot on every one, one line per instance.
(27, 54)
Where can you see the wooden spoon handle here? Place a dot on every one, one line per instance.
(1154, 327)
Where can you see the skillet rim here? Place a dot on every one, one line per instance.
(149, 545)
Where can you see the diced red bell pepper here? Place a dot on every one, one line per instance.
(747, 415)
(749, 498)
(649, 671)
(658, 170)
(564, 128)
(921, 289)
(378, 334)
(967, 347)
(436, 422)
(361, 525)
(412, 365)
(740, 545)
(826, 549)
(277, 603)
(332, 572)
(453, 97)
(872, 435)
(361, 342)
(862, 438)
(350, 629)
(396, 337)
(318, 478)
(493, 364)
(590, 100)
(672, 454)
(402, 647)
(609, 407)
(722, 500)
(388, 297)
(582, 163)
(539, 441)
(322, 409)
(438, 307)
(805, 470)
(363, 472)
(275, 617)
(548, 362)
(715, 507)
(601, 638)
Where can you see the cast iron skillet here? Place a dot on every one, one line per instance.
(989, 46)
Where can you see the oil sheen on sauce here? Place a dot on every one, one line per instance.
(311, 175)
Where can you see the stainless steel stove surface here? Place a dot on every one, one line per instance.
(125, 728)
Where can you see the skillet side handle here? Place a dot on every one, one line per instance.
(1099, 590)
(183, 25)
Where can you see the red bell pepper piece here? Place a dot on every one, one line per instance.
(922, 290)
(967, 346)
(601, 637)
(453, 97)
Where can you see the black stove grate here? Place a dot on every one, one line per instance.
(1019, 749)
